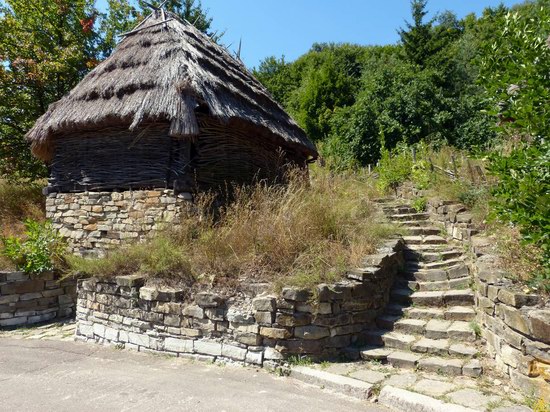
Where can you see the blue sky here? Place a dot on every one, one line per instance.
(290, 27)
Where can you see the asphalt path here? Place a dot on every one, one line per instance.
(37, 375)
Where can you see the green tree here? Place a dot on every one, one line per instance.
(46, 47)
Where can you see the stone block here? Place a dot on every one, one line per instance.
(217, 314)
(335, 320)
(247, 338)
(111, 334)
(296, 319)
(139, 339)
(99, 330)
(265, 304)
(208, 300)
(148, 293)
(29, 286)
(254, 358)
(272, 354)
(264, 318)
(539, 325)
(311, 332)
(238, 315)
(194, 311)
(449, 366)
(5, 300)
(296, 295)
(472, 368)
(514, 318)
(135, 281)
(208, 348)
(233, 352)
(178, 345)
(275, 333)
(517, 299)
(13, 321)
(403, 359)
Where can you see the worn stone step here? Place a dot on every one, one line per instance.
(409, 217)
(426, 275)
(423, 230)
(453, 297)
(410, 326)
(445, 263)
(435, 240)
(375, 353)
(398, 340)
(433, 257)
(463, 313)
(424, 313)
(398, 210)
(446, 365)
(461, 330)
(459, 283)
(431, 346)
(465, 350)
(413, 223)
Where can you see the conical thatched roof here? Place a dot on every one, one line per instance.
(164, 71)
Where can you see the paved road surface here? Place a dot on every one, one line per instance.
(38, 375)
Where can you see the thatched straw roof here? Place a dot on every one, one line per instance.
(164, 71)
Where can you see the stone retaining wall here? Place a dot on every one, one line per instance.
(95, 221)
(515, 325)
(26, 300)
(252, 326)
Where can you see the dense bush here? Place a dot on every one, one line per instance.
(39, 251)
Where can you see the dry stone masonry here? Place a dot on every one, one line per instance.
(26, 300)
(253, 326)
(515, 326)
(93, 222)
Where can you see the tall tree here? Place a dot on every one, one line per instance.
(417, 37)
(46, 47)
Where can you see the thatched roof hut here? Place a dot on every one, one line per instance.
(167, 107)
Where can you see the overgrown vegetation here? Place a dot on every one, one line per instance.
(301, 233)
(41, 249)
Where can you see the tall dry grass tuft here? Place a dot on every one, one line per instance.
(301, 233)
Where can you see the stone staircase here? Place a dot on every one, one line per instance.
(428, 324)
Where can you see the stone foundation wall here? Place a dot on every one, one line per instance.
(26, 300)
(252, 326)
(93, 222)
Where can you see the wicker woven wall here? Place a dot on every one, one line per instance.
(117, 159)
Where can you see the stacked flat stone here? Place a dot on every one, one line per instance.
(427, 324)
(515, 325)
(26, 300)
(251, 327)
(93, 222)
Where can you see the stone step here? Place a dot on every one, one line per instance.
(453, 297)
(457, 313)
(412, 223)
(410, 326)
(409, 217)
(435, 275)
(428, 257)
(423, 230)
(398, 210)
(414, 266)
(459, 283)
(448, 365)
(398, 340)
(425, 240)
(421, 248)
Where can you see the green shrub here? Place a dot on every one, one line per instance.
(394, 168)
(419, 204)
(522, 195)
(39, 251)
(421, 174)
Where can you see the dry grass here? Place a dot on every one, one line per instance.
(301, 234)
(18, 202)
(521, 261)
